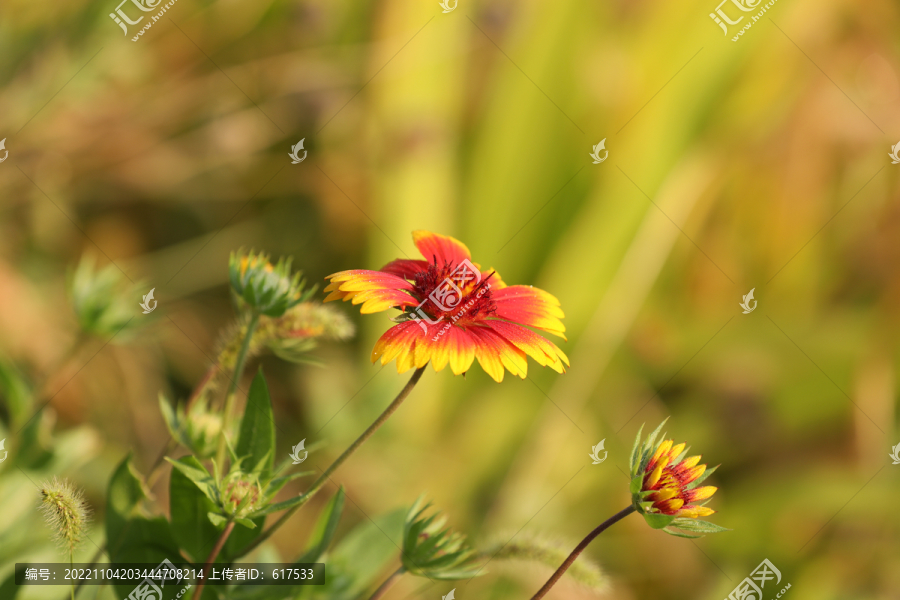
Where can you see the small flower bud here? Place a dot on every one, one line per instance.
(267, 289)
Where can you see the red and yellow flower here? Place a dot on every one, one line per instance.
(474, 316)
(666, 489)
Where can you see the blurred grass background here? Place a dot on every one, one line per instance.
(726, 159)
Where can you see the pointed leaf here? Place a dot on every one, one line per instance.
(325, 529)
(698, 526)
(132, 537)
(189, 508)
(658, 521)
(200, 477)
(257, 436)
(682, 535)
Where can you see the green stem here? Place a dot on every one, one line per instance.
(323, 479)
(579, 549)
(236, 377)
(388, 584)
(94, 561)
(220, 543)
(72, 566)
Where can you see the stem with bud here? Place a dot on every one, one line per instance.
(323, 479)
(579, 549)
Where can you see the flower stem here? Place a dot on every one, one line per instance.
(579, 549)
(323, 479)
(236, 377)
(212, 558)
(388, 584)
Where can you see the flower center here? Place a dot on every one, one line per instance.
(451, 293)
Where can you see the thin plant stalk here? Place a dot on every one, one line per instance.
(229, 398)
(579, 549)
(323, 479)
(72, 566)
(94, 561)
(388, 584)
(220, 543)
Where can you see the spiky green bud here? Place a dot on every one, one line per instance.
(433, 551)
(268, 289)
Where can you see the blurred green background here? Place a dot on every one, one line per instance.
(758, 164)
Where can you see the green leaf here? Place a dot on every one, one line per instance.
(15, 391)
(637, 483)
(257, 436)
(9, 589)
(279, 482)
(682, 535)
(246, 523)
(634, 451)
(325, 528)
(198, 474)
(658, 521)
(216, 519)
(189, 507)
(132, 537)
(652, 439)
(289, 503)
(363, 554)
(698, 526)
